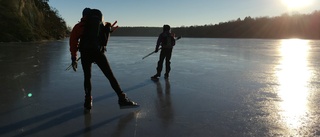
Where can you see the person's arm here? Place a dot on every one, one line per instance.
(158, 43)
(173, 39)
(107, 31)
(74, 40)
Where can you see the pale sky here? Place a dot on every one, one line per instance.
(176, 13)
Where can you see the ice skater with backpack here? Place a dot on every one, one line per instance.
(93, 35)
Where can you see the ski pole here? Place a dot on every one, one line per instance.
(159, 49)
(115, 28)
(114, 23)
(150, 54)
(68, 68)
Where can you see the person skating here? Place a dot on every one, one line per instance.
(93, 36)
(167, 41)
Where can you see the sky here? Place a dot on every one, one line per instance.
(177, 13)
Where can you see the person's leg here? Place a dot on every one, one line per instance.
(103, 64)
(159, 65)
(168, 53)
(86, 62)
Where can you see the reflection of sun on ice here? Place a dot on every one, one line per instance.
(296, 4)
(293, 77)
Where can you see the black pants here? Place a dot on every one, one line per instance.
(87, 58)
(164, 54)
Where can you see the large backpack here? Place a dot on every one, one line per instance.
(167, 40)
(93, 37)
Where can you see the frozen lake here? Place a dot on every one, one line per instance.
(217, 87)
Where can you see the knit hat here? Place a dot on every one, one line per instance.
(166, 28)
(86, 12)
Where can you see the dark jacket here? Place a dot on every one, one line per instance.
(166, 40)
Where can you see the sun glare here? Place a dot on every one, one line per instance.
(293, 75)
(297, 4)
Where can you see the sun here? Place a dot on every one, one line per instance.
(297, 4)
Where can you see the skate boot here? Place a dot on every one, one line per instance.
(155, 77)
(124, 102)
(88, 102)
(166, 76)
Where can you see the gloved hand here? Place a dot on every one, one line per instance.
(156, 50)
(173, 35)
(74, 63)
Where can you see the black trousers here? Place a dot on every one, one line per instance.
(87, 58)
(164, 54)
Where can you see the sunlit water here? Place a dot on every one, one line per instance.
(225, 87)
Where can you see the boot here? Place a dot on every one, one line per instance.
(166, 76)
(88, 102)
(156, 76)
(124, 102)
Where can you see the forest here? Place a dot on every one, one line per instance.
(30, 20)
(305, 26)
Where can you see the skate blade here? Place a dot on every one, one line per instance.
(155, 79)
(87, 111)
(128, 107)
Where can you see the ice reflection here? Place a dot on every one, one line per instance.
(293, 75)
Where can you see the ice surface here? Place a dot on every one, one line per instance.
(217, 87)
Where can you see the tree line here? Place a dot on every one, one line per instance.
(30, 20)
(306, 26)
(33, 20)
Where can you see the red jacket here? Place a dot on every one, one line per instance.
(75, 35)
